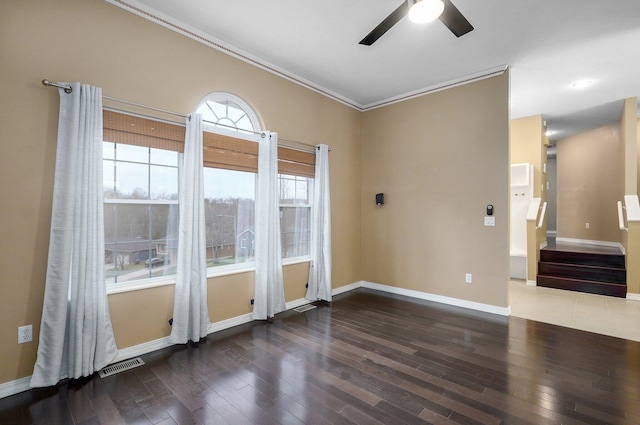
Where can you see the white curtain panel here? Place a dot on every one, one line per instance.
(76, 337)
(269, 286)
(190, 312)
(320, 244)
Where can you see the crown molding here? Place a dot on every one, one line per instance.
(195, 34)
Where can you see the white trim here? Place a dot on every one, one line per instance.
(110, 201)
(229, 323)
(14, 387)
(346, 288)
(633, 296)
(591, 242)
(297, 303)
(222, 96)
(552, 233)
(472, 305)
(137, 285)
(212, 272)
(471, 78)
(633, 207)
(296, 260)
(173, 24)
(219, 271)
(532, 283)
(19, 385)
(534, 207)
(141, 349)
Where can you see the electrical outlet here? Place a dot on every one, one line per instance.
(468, 278)
(586, 225)
(25, 334)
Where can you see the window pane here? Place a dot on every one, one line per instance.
(108, 179)
(127, 244)
(108, 150)
(244, 123)
(294, 225)
(163, 157)
(132, 181)
(132, 153)
(234, 112)
(164, 182)
(140, 238)
(140, 241)
(219, 110)
(294, 189)
(229, 216)
(164, 240)
(287, 189)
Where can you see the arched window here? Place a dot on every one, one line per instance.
(230, 184)
(226, 110)
(229, 179)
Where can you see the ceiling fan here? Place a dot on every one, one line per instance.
(440, 9)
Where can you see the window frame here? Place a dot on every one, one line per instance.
(224, 130)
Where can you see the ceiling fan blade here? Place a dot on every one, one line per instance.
(454, 20)
(386, 25)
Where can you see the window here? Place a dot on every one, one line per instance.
(296, 172)
(140, 180)
(231, 164)
(295, 214)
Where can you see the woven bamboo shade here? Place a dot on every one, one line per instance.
(219, 151)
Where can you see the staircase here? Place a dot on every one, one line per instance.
(593, 272)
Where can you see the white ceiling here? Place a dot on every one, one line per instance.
(547, 44)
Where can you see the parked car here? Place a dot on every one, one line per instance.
(154, 261)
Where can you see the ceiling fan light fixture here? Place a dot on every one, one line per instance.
(423, 11)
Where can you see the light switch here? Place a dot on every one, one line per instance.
(489, 220)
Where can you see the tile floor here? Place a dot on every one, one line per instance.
(612, 316)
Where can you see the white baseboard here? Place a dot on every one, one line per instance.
(532, 283)
(15, 387)
(633, 297)
(346, 288)
(19, 385)
(140, 349)
(297, 303)
(229, 323)
(487, 308)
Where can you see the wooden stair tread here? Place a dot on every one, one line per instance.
(601, 288)
(593, 272)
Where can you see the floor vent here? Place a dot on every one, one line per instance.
(120, 367)
(304, 308)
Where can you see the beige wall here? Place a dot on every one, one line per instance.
(130, 58)
(590, 182)
(439, 160)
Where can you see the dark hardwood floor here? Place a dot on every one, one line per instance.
(369, 358)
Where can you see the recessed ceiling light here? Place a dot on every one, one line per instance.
(549, 133)
(581, 84)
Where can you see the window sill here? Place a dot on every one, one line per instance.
(296, 260)
(119, 288)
